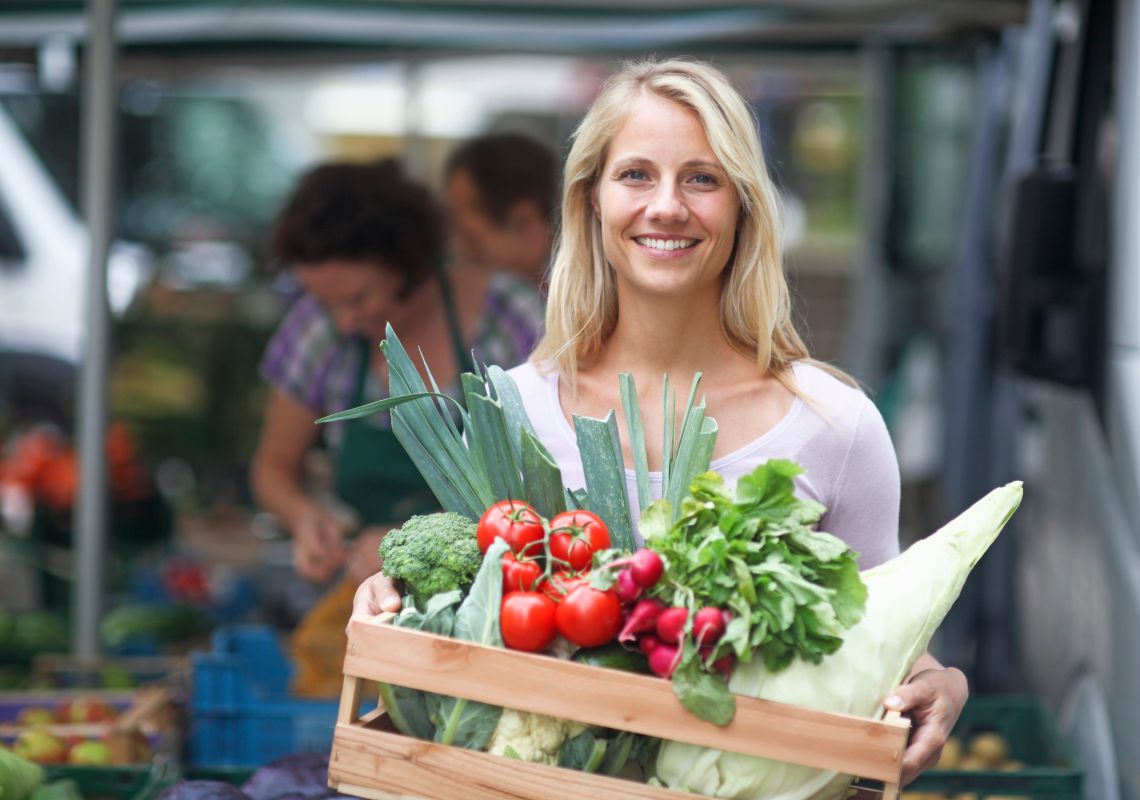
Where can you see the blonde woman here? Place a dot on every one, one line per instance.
(670, 262)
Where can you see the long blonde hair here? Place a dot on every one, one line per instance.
(755, 307)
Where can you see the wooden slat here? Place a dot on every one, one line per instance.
(350, 696)
(386, 766)
(617, 699)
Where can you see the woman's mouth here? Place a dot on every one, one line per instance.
(665, 245)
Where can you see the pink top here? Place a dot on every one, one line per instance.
(843, 445)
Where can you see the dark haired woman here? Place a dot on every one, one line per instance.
(366, 244)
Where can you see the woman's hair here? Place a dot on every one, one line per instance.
(755, 307)
(362, 212)
(507, 169)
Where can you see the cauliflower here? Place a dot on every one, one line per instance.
(532, 737)
(432, 553)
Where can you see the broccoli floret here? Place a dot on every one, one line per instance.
(432, 553)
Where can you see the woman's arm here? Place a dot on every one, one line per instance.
(287, 434)
(933, 697)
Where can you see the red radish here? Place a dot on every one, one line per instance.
(648, 643)
(671, 624)
(646, 568)
(627, 590)
(664, 659)
(724, 665)
(708, 626)
(641, 618)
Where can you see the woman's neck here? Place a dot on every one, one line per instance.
(674, 336)
(419, 310)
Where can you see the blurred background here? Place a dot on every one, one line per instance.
(960, 185)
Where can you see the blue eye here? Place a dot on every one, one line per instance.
(705, 179)
(633, 175)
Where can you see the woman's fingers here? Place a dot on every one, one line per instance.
(374, 597)
(931, 699)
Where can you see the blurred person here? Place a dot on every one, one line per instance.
(366, 245)
(502, 194)
(670, 262)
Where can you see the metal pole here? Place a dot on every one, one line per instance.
(98, 165)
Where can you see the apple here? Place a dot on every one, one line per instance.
(85, 709)
(40, 746)
(89, 751)
(35, 715)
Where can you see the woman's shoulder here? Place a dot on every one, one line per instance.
(532, 378)
(830, 396)
(304, 330)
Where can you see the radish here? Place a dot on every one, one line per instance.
(671, 624)
(664, 659)
(646, 568)
(648, 643)
(641, 619)
(708, 626)
(626, 588)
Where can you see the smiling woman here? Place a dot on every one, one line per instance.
(670, 263)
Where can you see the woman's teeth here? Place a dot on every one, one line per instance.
(665, 244)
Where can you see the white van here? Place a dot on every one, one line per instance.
(43, 265)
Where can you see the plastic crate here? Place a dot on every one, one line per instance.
(112, 783)
(240, 711)
(1050, 772)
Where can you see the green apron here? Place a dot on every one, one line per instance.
(374, 475)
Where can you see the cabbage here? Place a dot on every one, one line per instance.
(907, 600)
(18, 777)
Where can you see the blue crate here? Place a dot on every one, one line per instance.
(241, 714)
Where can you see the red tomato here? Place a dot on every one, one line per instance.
(519, 576)
(514, 522)
(560, 584)
(575, 536)
(527, 621)
(589, 617)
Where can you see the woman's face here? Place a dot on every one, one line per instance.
(360, 295)
(667, 209)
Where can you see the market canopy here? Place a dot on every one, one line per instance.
(548, 26)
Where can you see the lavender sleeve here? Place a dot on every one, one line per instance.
(864, 509)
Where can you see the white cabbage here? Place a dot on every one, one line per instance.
(907, 599)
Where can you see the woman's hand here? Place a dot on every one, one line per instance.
(375, 596)
(933, 699)
(318, 543)
(363, 553)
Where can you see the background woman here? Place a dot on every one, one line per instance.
(366, 244)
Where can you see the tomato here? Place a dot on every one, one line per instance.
(589, 617)
(527, 621)
(560, 584)
(519, 576)
(516, 523)
(575, 536)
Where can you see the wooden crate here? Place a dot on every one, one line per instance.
(145, 717)
(369, 759)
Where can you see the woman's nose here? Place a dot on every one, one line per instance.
(667, 204)
(347, 322)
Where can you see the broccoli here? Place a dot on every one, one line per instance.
(432, 553)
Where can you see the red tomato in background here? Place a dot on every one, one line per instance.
(527, 621)
(560, 584)
(575, 536)
(516, 523)
(589, 617)
(520, 576)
